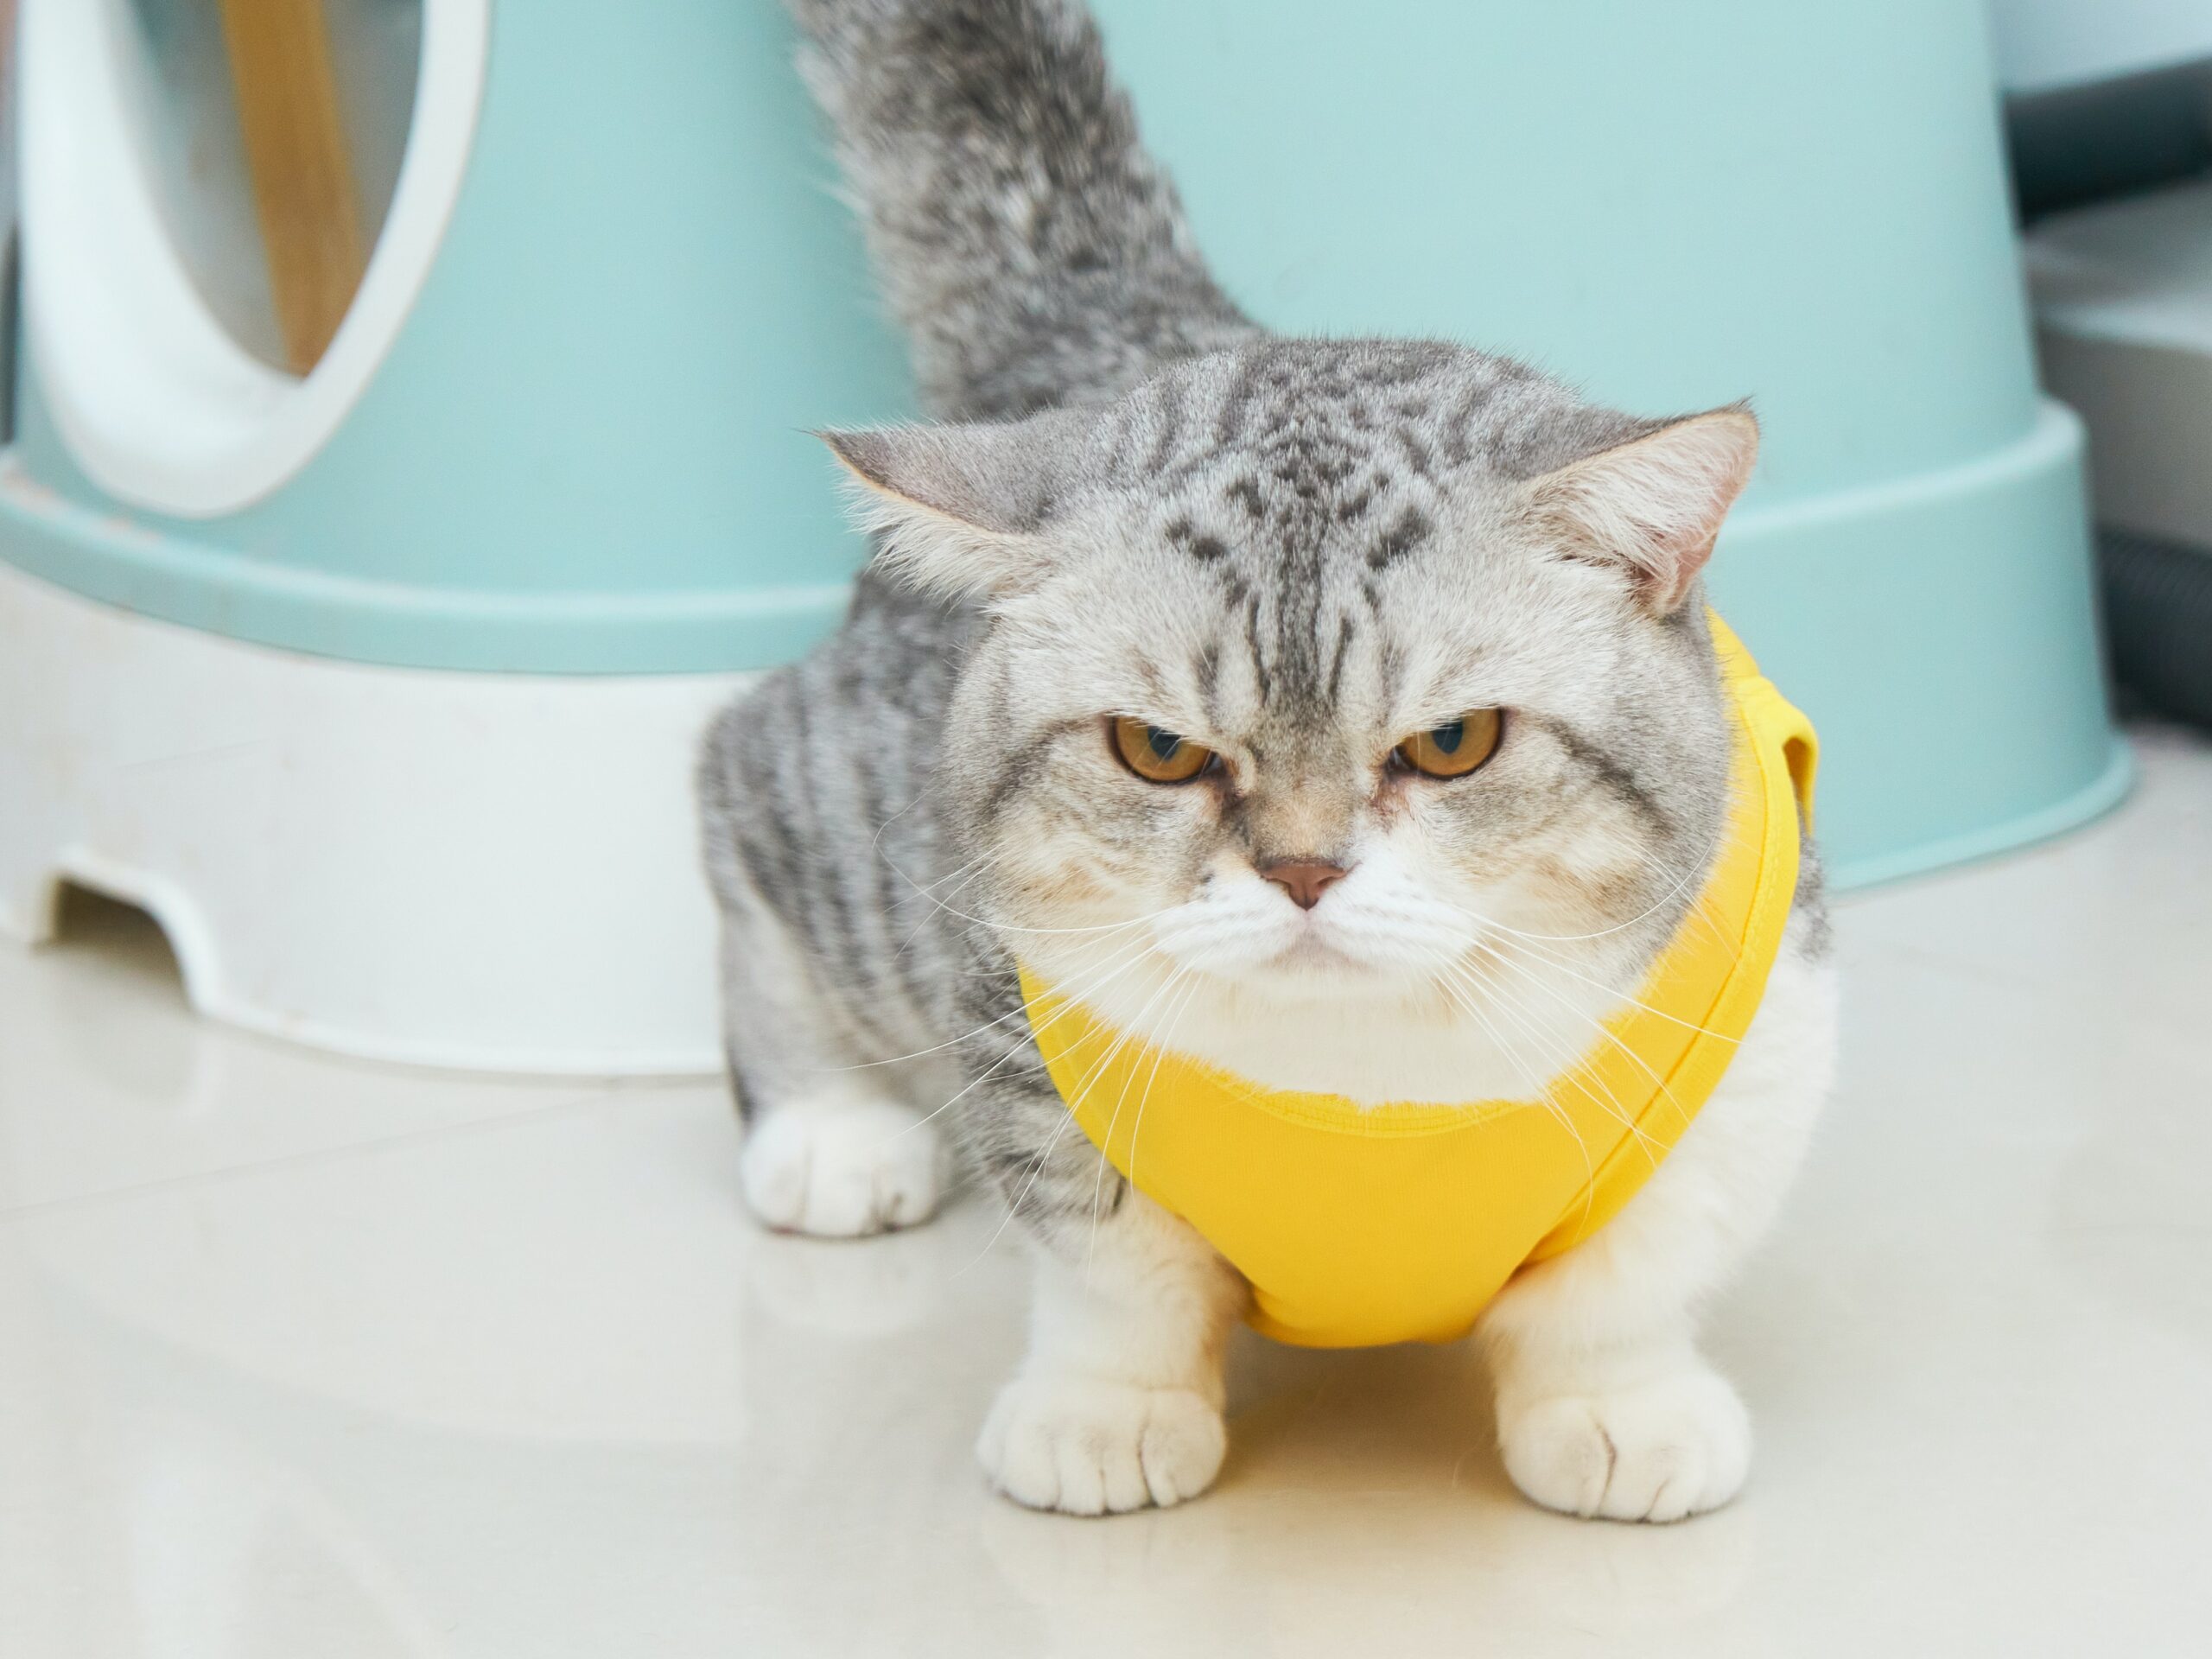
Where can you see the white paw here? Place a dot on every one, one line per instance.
(1089, 1448)
(841, 1170)
(1675, 1447)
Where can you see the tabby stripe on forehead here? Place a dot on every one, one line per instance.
(1204, 548)
(1337, 661)
(1417, 453)
(1393, 665)
(1410, 530)
(1259, 671)
(1229, 425)
(1458, 440)
(1169, 402)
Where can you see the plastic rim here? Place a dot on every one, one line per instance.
(156, 400)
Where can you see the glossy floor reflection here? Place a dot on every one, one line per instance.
(302, 1359)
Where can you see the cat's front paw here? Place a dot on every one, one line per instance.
(841, 1170)
(1674, 1447)
(1086, 1446)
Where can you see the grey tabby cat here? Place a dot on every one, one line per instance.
(1279, 558)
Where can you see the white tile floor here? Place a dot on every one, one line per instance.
(300, 1359)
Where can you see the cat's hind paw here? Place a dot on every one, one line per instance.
(1674, 1447)
(1084, 1446)
(841, 1170)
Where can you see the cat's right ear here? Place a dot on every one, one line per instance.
(958, 510)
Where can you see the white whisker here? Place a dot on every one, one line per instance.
(1122, 1038)
(1602, 1030)
(1066, 1008)
(1470, 1003)
(1551, 1049)
(1546, 959)
(1009, 927)
(1159, 1054)
(1014, 1206)
(1703, 863)
(1135, 954)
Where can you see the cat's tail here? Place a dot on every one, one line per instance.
(1026, 242)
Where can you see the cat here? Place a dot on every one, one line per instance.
(1149, 537)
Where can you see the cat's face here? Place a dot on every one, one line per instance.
(1314, 682)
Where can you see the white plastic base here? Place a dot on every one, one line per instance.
(488, 871)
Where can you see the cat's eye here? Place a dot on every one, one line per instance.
(1455, 747)
(1157, 755)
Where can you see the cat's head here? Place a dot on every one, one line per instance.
(1323, 674)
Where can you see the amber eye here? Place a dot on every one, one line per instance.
(1455, 748)
(1159, 756)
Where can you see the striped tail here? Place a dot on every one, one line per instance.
(1025, 241)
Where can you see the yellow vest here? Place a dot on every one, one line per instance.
(1359, 1225)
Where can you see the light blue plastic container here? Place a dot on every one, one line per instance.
(585, 454)
(586, 450)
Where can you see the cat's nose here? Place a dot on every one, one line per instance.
(1303, 879)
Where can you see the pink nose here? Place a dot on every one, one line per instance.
(1303, 879)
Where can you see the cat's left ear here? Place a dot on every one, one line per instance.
(960, 510)
(1652, 506)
